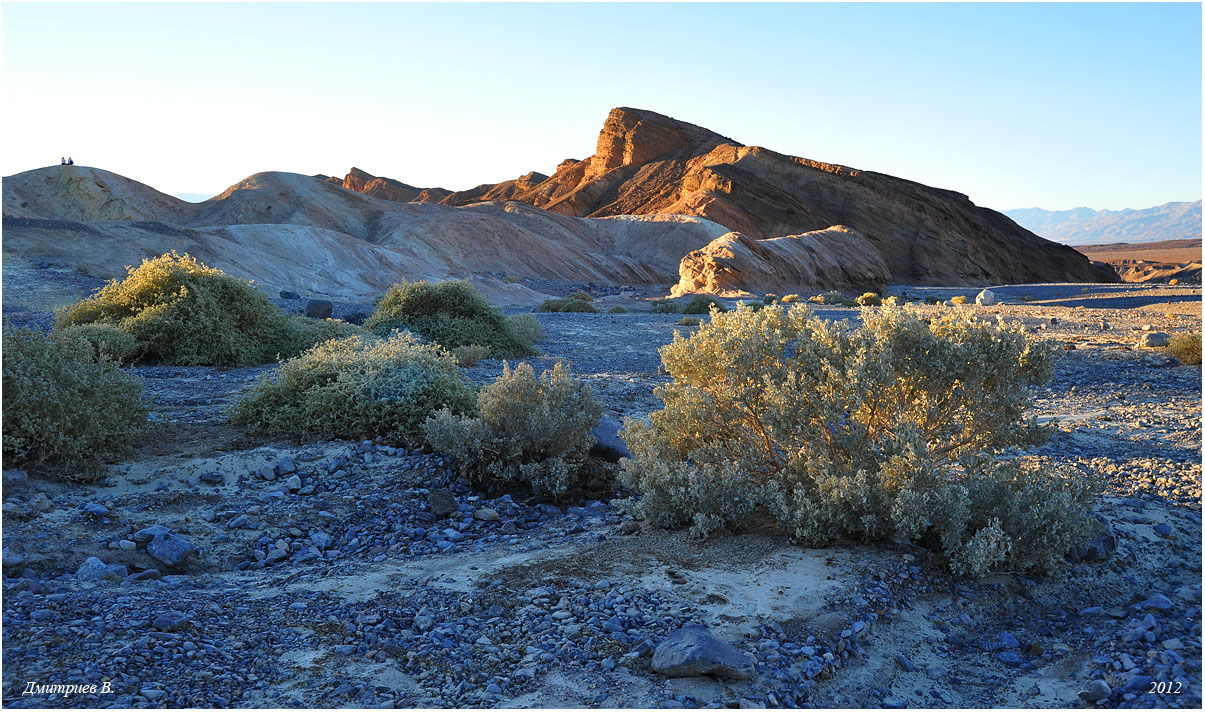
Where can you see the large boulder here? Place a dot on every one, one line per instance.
(93, 569)
(1154, 340)
(986, 298)
(170, 549)
(693, 650)
(736, 265)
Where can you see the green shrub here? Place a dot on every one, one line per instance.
(869, 299)
(451, 314)
(769, 299)
(568, 304)
(527, 430)
(617, 310)
(525, 327)
(470, 355)
(66, 410)
(871, 432)
(702, 304)
(664, 306)
(582, 296)
(180, 311)
(103, 340)
(354, 388)
(1186, 348)
(960, 299)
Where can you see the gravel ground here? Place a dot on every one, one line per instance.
(326, 575)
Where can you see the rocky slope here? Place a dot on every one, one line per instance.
(301, 233)
(647, 163)
(737, 265)
(1085, 226)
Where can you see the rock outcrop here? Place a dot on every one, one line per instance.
(647, 163)
(735, 265)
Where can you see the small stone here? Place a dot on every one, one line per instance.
(93, 569)
(96, 509)
(126, 545)
(171, 621)
(1007, 640)
(286, 294)
(1153, 340)
(1157, 602)
(285, 466)
(293, 483)
(268, 473)
(628, 526)
(1163, 529)
(1173, 644)
(905, 664)
(152, 694)
(42, 615)
(321, 539)
(148, 575)
(442, 503)
(213, 478)
(143, 536)
(424, 622)
(1010, 658)
(486, 514)
(1095, 691)
(508, 527)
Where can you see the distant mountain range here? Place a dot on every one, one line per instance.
(1085, 226)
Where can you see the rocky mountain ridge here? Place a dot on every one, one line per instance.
(648, 163)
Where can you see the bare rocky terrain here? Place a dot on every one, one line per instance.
(340, 574)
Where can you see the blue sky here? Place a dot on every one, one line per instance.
(1016, 105)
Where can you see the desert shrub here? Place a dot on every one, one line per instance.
(451, 314)
(470, 355)
(702, 304)
(869, 299)
(931, 300)
(358, 387)
(568, 304)
(582, 296)
(180, 311)
(873, 432)
(526, 327)
(665, 306)
(791, 299)
(1173, 282)
(960, 299)
(769, 298)
(66, 410)
(102, 340)
(512, 279)
(1186, 348)
(617, 310)
(688, 321)
(528, 429)
(833, 297)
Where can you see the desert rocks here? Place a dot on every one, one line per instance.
(607, 443)
(985, 298)
(318, 308)
(1153, 340)
(693, 650)
(170, 549)
(737, 265)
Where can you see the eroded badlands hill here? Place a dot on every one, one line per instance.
(647, 163)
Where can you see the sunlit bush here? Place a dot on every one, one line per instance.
(180, 311)
(358, 387)
(871, 432)
(702, 304)
(568, 304)
(528, 429)
(1186, 348)
(67, 409)
(869, 299)
(451, 314)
